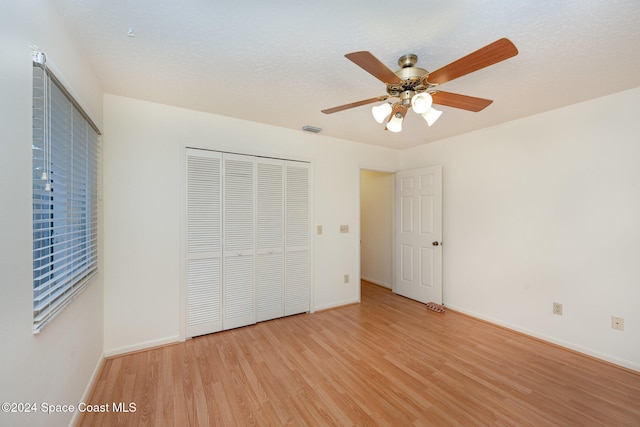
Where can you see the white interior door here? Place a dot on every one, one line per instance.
(418, 234)
(270, 239)
(204, 242)
(238, 285)
(248, 251)
(297, 238)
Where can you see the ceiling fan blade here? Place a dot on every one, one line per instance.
(490, 54)
(464, 102)
(373, 66)
(354, 104)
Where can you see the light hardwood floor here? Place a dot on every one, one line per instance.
(387, 361)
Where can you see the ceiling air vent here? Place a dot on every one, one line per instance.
(309, 128)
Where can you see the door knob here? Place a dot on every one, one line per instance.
(435, 243)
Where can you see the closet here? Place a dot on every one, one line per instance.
(247, 240)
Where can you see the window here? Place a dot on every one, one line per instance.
(65, 151)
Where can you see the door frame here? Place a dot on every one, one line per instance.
(393, 227)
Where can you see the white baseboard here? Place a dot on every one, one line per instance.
(377, 282)
(141, 346)
(562, 343)
(337, 304)
(88, 389)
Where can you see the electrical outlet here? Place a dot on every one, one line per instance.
(557, 308)
(346, 279)
(344, 228)
(617, 323)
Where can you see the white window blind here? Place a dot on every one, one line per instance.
(65, 174)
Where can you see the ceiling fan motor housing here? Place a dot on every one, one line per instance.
(408, 60)
(414, 79)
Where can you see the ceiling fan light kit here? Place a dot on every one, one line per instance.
(416, 87)
(431, 116)
(395, 124)
(381, 112)
(421, 102)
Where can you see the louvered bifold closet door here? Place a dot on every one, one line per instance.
(239, 241)
(270, 239)
(297, 238)
(204, 242)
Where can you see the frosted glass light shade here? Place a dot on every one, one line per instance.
(380, 112)
(395, 124)
(431, 116)
(421, 102)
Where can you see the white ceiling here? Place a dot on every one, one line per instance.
(280, 62)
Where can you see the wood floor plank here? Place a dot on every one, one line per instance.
(387, 361)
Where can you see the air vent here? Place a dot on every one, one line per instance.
(309, 128)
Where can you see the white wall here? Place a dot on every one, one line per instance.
(56, 365)
(545, 209)
(143, 167)
(376, 227)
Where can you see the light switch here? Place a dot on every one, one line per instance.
(319, 230)
(344, 228)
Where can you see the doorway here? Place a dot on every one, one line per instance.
(401, 231)
(376, 227)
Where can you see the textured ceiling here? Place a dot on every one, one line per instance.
(282, 61)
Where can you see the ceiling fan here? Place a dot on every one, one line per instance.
(418, 88)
